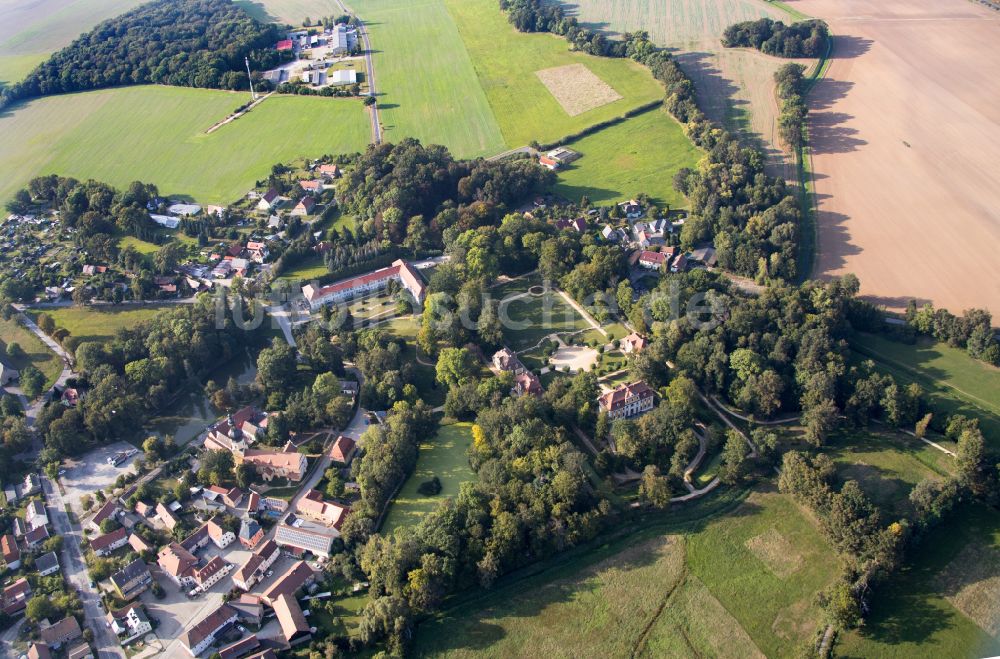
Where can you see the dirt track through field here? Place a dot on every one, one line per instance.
(905, 131)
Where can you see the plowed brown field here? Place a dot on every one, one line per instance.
(905, 130)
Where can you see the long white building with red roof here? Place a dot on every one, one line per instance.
(348, 289)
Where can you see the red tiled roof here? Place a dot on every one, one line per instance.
(104, 541)
(614, 399)
(652, 257)
(342, 449)
(284, 44)
(9, 547)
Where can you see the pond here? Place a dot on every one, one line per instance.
(192, 413)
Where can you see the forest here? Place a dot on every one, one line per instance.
(189, 43)
(802, 39)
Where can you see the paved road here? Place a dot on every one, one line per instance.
(510, 152)
(370, 72)
(75, 572)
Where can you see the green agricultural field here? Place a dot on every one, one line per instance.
(946, 600)
(30, 31)
(425, 79)
(528, 319)
(955, 382)
(887, 465)
(32, 351)
(506, 62)
(638, 155)
(99, 323)
(765, 563)
(444, 456)
(156, 134)
(292, 12)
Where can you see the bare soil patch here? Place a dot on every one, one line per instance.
(971, 582)
(905, 131)
(776, 552)
(576, 88)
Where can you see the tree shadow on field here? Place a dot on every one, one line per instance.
(716, 93)
(828, 134)
(849, 47)
(827, 92)
(834, 242)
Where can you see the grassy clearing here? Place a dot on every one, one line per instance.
(506, 60)
(292, 12)
(887, 465)
(775, 605)
(311, 267)
(912, 615)
(156, 134)
(33, 351)
(600, 611)
(638, 155)
(444, 456)
(428, 92)
(99, 323)
(30, 31)
(528, 319)
(954, 382)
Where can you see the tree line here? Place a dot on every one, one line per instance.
(801, 39)
(790, 89)
(751, 217)
(189, 43)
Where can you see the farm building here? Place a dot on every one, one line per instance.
(344, 77)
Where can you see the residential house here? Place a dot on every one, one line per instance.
(257, 565)
(527, 382)
(103, 545)
(211, 573)
(231, 497)
(611, 235)
(64, 631)
(329, 172)
(253, 503)
(257, 251)
(11, 553)
(138, 544)
(652, 260)
(311, 186)
(240, 648)
(106, 511)
(295, 578)
(342, 451)
(36, 536)
(313, 506)
(269, 201)
(506, 360)
(249, 608)
(680, 264)
(144, 509)
(633, 343)
(202, 635)
(631, 208)
(349, 388)
(627, 400)
(132, 579)
(80, 651)
(548, 163)
(129, 623)
(47, 564)
(35, 515)
(348, 289)
(165, 516)
(14, 598)
(39, 651)
(177, 563)
(251, 533)
(304, 207)
(291, 619)
(31, 485)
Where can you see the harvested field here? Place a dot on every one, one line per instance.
(905, 131)
(971, 582)
(776, 552)
(576, 88)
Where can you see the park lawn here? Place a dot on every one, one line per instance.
(954, 381)
(157, 134)
(887, 465)
(309, 268)
(33, 351)
(99, 323)
(641, 154)
(765, 563)
(506, 60)
(427, 87)
(917, 612)
(444, 456)
(527, 320)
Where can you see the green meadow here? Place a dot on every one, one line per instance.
(638, 155)
(444, 456)
(292, 12)
(157, 134)
(954, 382)
(99, 323)
(506, 60)
(32, 351)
